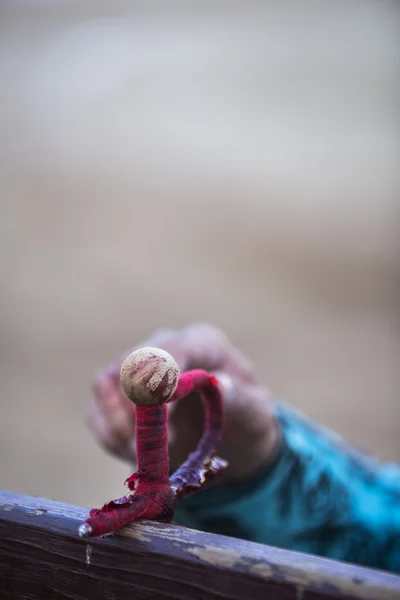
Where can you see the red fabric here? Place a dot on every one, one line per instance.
(147, 505)
(191, 475)
(191, 381)
(151, 448)
(153, 495)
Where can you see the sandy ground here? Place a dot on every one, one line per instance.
(162, 168)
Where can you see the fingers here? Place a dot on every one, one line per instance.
(198, 346)
(208, 348)
(246, 407)
(203, 346)
(109, 434)
(111, 417)
(108, 391)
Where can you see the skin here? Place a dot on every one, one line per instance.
(251, 436)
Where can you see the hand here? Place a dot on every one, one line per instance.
(251, 436)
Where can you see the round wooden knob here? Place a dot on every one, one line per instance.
(149, 376)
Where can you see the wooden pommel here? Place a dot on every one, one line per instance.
(149, 376)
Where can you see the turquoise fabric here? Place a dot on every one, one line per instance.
(320, 496)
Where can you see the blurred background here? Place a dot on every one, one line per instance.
(169, 162)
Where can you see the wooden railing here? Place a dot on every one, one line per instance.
(41, 556)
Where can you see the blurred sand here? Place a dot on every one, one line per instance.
(157, 169)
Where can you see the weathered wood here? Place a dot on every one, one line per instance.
(41, 556)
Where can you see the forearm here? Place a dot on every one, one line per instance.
(319, 496)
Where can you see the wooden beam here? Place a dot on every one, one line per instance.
(41, 556)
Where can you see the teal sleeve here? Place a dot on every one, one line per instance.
(320, 497)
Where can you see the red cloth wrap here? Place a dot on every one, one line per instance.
(154, 494)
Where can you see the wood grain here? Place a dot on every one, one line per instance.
(41, 556)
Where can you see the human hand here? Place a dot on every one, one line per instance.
(251, 436)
